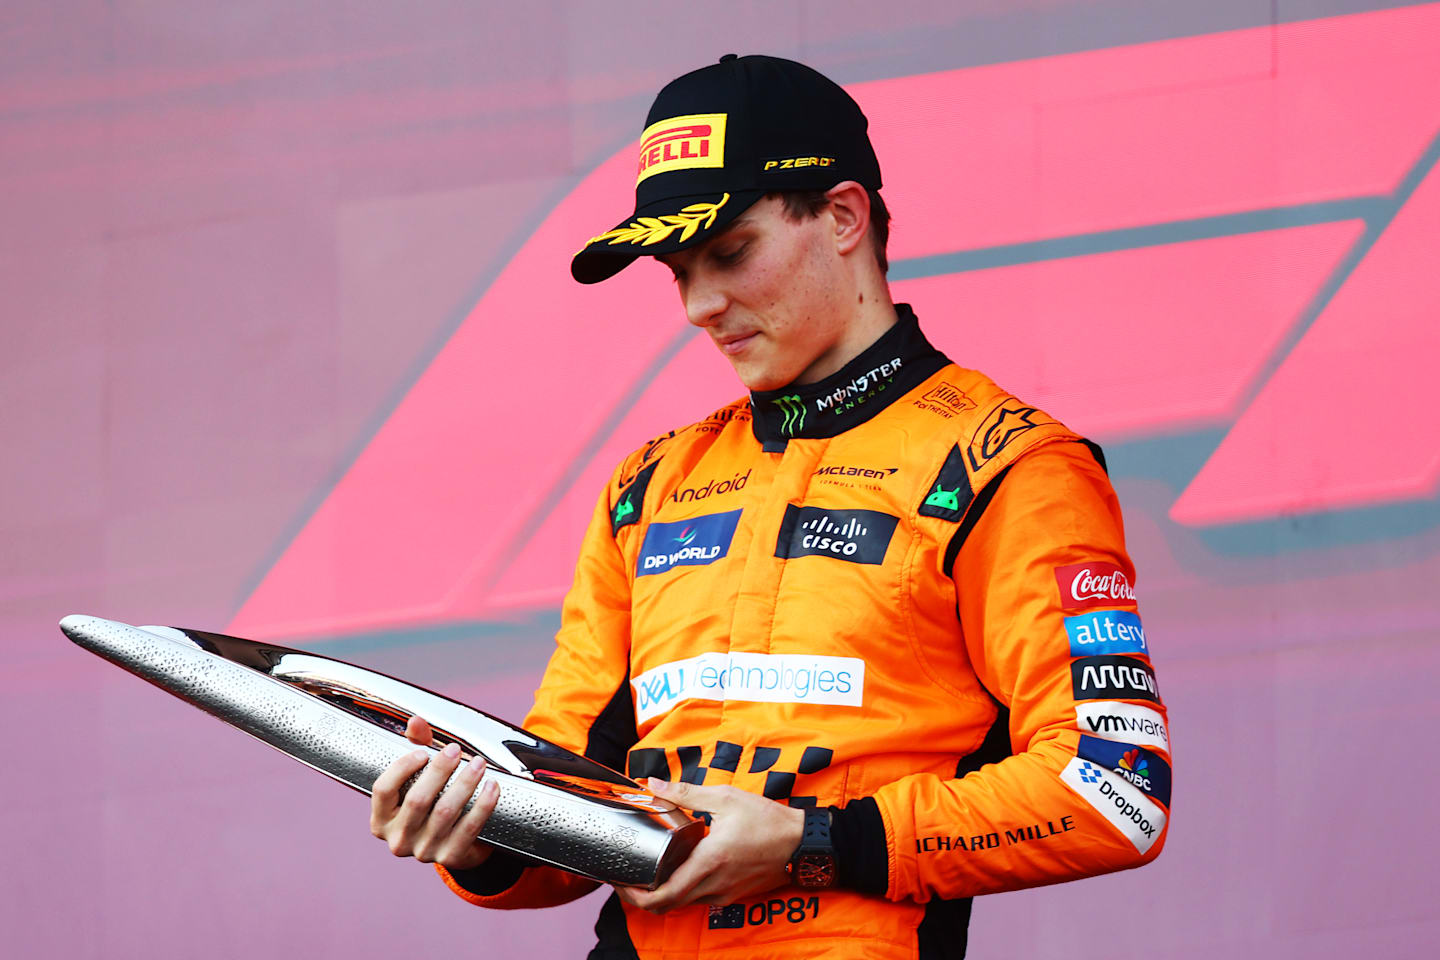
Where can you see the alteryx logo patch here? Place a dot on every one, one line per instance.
(1138, 766)
(1105, 631)
(859, 536)
(693, 543)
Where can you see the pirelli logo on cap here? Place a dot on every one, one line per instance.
(682, 143)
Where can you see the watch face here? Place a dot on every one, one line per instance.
(815, 870)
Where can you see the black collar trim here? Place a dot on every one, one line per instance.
(890, 367)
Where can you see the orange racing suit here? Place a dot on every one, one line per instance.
(899, 592)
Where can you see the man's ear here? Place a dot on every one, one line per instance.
(850, 208)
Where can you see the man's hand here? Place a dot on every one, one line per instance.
(421, 826)
(745, 852)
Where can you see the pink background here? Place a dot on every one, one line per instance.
(290, 350)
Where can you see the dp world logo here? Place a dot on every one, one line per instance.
(793, 411)
(686, 543)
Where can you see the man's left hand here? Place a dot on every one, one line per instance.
(751, 839)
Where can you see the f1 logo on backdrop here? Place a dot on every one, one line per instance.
(1181, 236)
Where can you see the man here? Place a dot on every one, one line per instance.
(875, 618)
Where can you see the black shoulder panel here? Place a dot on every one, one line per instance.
(972, 517)
(950, 494)
(631, 504)
(1097, 453)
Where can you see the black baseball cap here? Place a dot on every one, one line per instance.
(720, 138)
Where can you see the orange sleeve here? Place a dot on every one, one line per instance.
(583, 702)
(1074, 677)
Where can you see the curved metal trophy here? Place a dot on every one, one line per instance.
(349, 723)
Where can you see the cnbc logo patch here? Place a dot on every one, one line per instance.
(1140, 767)
(1133, 762)
(686, 543)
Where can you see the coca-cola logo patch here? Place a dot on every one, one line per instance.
(1095, 584)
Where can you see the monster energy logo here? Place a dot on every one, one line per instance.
(794, 412)
(943, 499)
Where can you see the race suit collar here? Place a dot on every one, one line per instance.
(890, 367)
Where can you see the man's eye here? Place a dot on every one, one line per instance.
(730, 256)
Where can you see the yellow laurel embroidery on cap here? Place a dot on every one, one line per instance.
(648, 230)
(682, 143)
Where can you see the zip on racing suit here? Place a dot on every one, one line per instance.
(899, 592)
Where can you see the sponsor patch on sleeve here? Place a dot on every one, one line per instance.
(1135, 764)
(1135, 815)
(1127, 722)
(1106, 631)
(1112, 678)
(1084, 586)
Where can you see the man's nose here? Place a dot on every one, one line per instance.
(704, 303)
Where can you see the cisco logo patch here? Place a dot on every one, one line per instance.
(856, 536)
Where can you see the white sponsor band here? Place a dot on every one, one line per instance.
(1125, 722)
(756, 677)
(1139, 818)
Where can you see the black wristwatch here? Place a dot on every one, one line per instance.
(812, 865)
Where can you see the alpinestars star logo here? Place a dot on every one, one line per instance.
(794, 412)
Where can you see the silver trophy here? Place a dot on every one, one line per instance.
(555, 806)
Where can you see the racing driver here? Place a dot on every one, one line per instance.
(875, 619)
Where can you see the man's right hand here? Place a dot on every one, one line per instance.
(427, 824)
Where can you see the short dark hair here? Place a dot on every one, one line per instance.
(804, 204)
